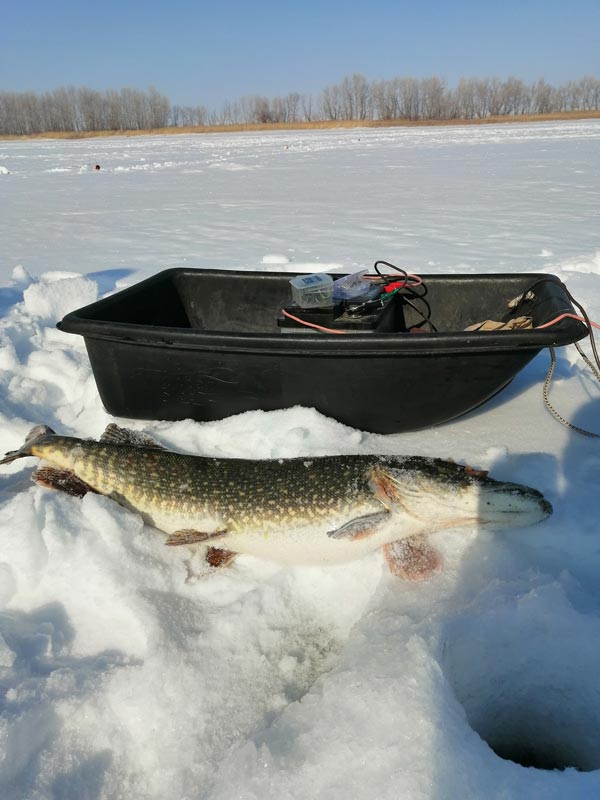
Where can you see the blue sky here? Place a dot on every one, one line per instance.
(206, 53)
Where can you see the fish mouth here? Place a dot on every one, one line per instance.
(512, 503)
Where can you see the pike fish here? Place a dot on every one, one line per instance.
(319, 510)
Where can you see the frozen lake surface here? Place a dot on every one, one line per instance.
(508, 197)
(128, 669)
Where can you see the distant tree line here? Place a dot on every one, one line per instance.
(82, 109)
(354, 98)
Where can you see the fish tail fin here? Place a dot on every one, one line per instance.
(25, 450)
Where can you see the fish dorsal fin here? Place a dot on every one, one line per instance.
(116, 435)
(39, 430)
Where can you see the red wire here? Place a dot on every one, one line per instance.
(333, 330)
(416, 280)
(562, 316)
(310, 324)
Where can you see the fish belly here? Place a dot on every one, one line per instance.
(305, 545)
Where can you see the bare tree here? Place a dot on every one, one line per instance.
(307, 107)
(433, 98)
(331, 103)
(543, 97)
(292, 104)
(516, 99)
(466, 98)
(261, 111)
(361, 91)
(589, 93)
(391, 99)
(158, 108)
(347, 104)
(410, 96)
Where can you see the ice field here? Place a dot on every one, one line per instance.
(131, 670)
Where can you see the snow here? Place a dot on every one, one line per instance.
(127, 669)
(53, 297)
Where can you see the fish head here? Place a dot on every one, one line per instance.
(441, 494)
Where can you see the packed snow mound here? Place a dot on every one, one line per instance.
(52, 298)
(584, 264)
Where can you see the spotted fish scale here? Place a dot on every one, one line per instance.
(170, 483)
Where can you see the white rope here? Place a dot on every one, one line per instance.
(546, 388)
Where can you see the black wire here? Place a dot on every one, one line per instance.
(409, 290)
(576, 303)
(584, 314)
(390, 278)
(420, 313)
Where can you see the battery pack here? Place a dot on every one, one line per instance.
(347, 316)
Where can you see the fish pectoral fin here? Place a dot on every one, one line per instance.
(62, 480)
(361, 527)
(413, 559)
(191, 536)
(116, 435)
(216, 557)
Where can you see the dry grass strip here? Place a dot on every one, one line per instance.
(318, 125)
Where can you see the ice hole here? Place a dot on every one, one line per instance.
(526, 674)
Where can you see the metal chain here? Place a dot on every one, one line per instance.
(546, 387)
